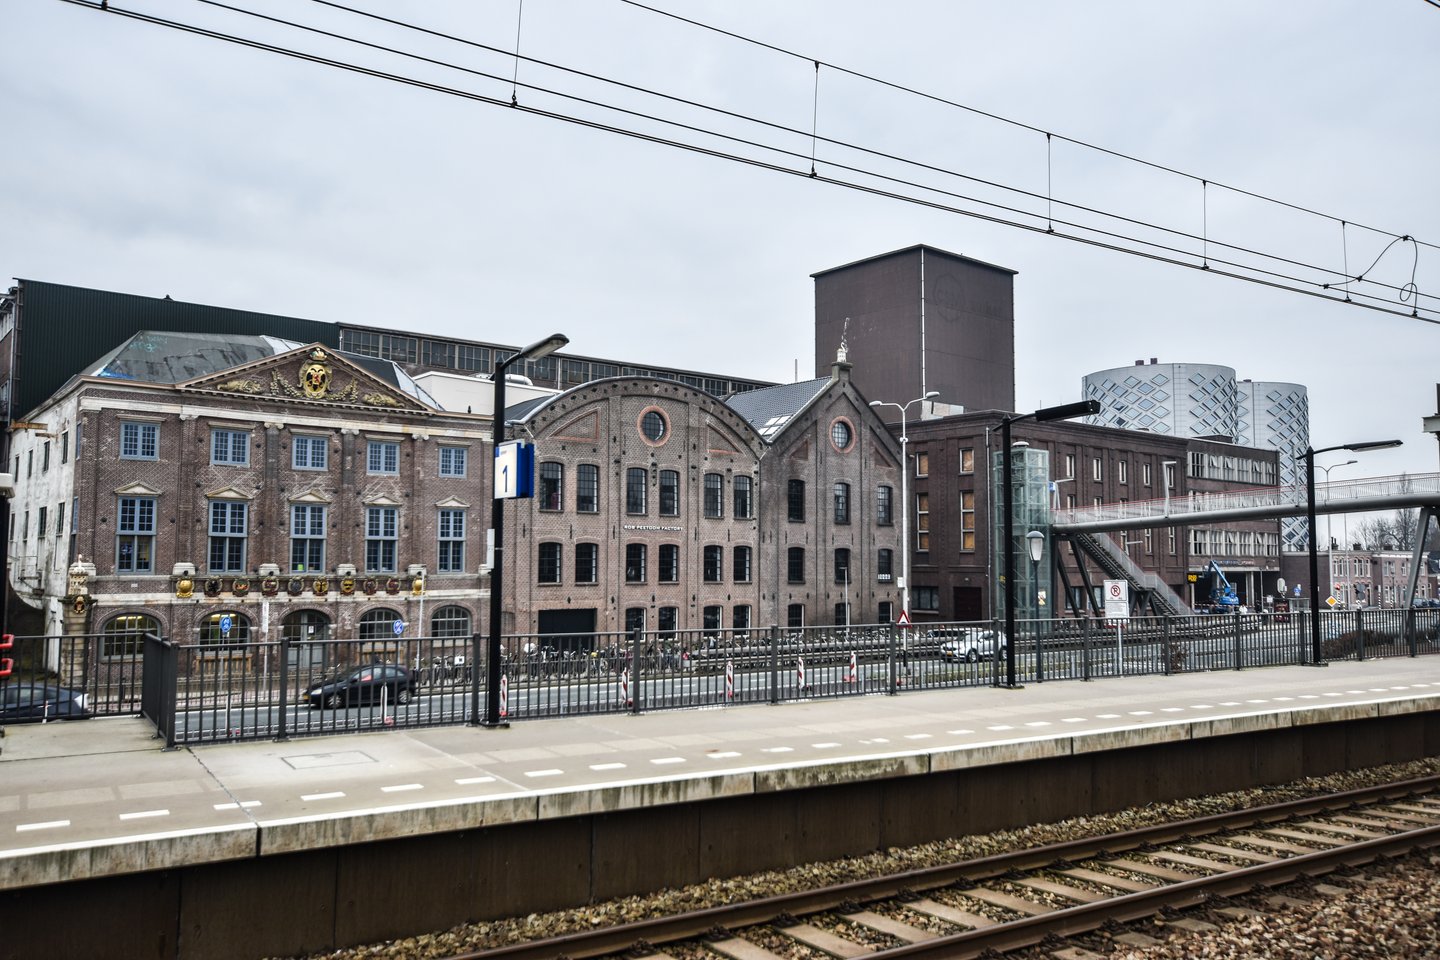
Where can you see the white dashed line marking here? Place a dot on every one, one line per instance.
(824, 746)
(1073, 719)
(1334, 694)
(401, 787)
(959, 733)
(1000, 726)
(466, 781)
(142, 814)
(1038, 723)
(1309, 696)
(1141, 713)
(1107, 716)
(664, 760)
(1229, 703)
(607, 766)
(46, 825)
(333, 795)
(552, 772)
(723, 755)
(918, 736)
(1283, 699)
(1172, 709)
(777, 749)
(242, 805)
(1201, 706)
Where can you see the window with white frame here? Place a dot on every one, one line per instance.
(230, 448)
(229, 532)
(714, 495)
(139, 441)
(453, 461)
(307, 537)
(669, 493)
(309, 453)
(587, 488)
(382, 526)
(382, 457)
(450, 532)
(548, 564)
(744, 497)
(740, 564)
(135, 535)
(669, 563)
(587, 562)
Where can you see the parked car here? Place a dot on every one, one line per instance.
(969, 643)
(376, 683)
(28, 702)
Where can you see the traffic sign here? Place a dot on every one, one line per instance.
(1117, 599)
(225, 624)
(903, 620)
(398, 626)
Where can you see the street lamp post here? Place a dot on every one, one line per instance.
(1330, 540)
(1309, 457)
(497, 524)
(905, 496)
(1035, 541)
(1065, 412)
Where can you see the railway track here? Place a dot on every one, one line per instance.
(1015, 900)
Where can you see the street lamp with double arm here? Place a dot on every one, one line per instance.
(905, 496)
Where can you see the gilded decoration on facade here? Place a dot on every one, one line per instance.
(347, 586)
(241, 385)
(270, 586)
(185, 588)
(240, 587)
(320, 586)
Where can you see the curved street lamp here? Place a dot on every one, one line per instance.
(535, 351)
(1316, 653)
(905, 496)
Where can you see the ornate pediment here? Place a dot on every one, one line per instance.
(452, 503)
(228, 493)
(311, 496)
(381, 501)
(313, 374)
(136, 490)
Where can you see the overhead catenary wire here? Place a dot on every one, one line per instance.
(883, 185)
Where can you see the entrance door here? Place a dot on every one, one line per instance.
(968, 605)
(568, 629)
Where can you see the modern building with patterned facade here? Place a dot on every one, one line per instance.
(1209, 401)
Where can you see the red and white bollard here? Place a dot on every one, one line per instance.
(852, 675)
(800, 674)
(504, 695)
(729, 680)
(625, 687)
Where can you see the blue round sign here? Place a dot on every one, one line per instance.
(398, 626)
(225, 624)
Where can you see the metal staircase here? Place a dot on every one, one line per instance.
(1144, 585)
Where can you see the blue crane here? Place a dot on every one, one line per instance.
(1223, 592)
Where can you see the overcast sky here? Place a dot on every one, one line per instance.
(141, 159)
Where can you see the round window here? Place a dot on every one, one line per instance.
(653, 425)
(840, 435)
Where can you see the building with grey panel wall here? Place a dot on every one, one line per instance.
(921, 319)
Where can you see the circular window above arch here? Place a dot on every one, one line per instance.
(842, 434)
(654, 426)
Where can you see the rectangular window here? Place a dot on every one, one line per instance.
(228, 532)
(714, 563)
(587, 562)
(667, 620)
(842, 565)
(967, 460)
(842, 614)
(967, 520)
(59, 520)
(587, 488)
(636, 481)
(669, 493)
(842, 503)
(744, 497)
(453, 461)
(795, 501)
(382, 457)
(42, 527)
(309, 453)
(1097, 469)
(1146, 473)
(548, 566)
(1170, 540)
(307, 537)
(711, 619)
(230, 448)
(714, 495)
(139, 441)
(795, 565)
(740, 564)
(922, 464)
(740, 617)
(635, 563)
(885, 565)
(551, 495)
(65, 447)
(922, 522)
(381, 533)
(1122, 471)
(450, 533)
(1070, 465)
(669, 560)
(45, 457)
(135, 527)
(795, 616)
(884, 506)
(925, 598)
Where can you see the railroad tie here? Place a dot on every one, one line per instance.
(1009, 901)
(898, 929)
(1151, 870)
(740, 949)
(1214, 866)
(943, 911)
(1256, 840)
(1078, 894)
(1344, 831)
(1236, 852)
(1313, 839)
(1128, 884)
(826, 942)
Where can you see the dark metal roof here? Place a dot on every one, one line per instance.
(911, 249)
(163, 357)
(768, 409)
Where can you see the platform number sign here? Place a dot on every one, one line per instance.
(514, 470)
(226, 623)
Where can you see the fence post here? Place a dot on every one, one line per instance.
(1360, 634)
(1039, 638)
(892, 646)
(1085, 647)
(1165, 650)
(170, 682)
(635, 669)
(283, 733)
(1410, 631)
(775, 663)
(1239, 664)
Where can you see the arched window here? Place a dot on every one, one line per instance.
(213, 629)
(450, 621)
(123, 635)
(379, 624)
(308, 632)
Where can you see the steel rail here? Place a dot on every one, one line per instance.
(696, 923)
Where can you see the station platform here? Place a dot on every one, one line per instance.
(102, 798)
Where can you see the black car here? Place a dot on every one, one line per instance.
(373, 684)
(30, 702)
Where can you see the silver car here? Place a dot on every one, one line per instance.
(970, 644)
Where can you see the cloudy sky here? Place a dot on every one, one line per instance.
(142, 159)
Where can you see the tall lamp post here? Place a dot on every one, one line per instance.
(1065, 412)
(1309, 457)
(905, 496)
(497, 523)
(1330, 540)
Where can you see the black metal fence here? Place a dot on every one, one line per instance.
(211, 692)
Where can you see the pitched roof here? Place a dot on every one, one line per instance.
(768, 409)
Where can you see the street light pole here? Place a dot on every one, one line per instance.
(1065, 412)
(1309, 457)
(905, 496)
(497, 524)
(1330, 540)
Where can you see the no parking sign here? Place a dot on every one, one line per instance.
(1117, 600)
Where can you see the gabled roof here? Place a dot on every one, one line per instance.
(769, 409)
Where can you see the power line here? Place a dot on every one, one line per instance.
(869, 181)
